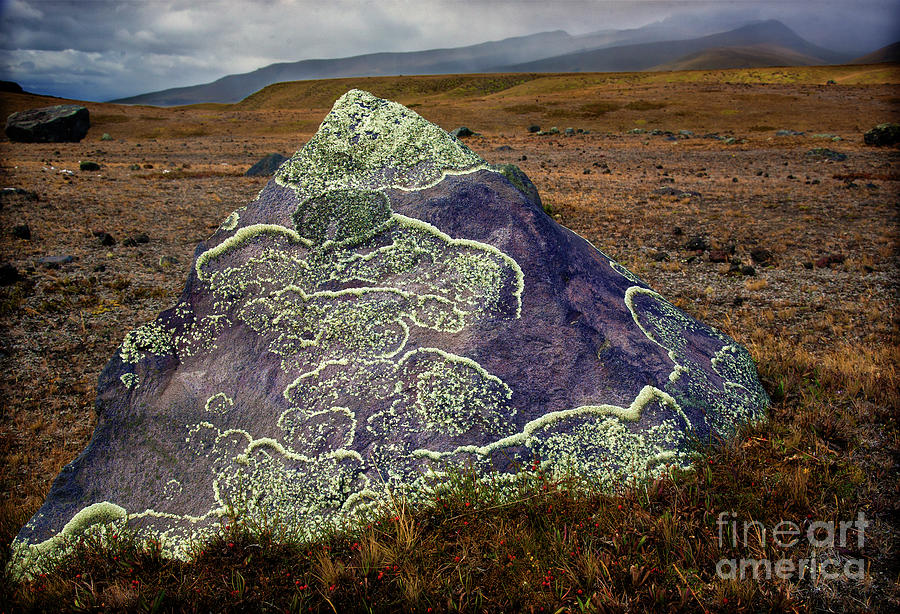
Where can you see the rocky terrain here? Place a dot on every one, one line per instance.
(724, 195)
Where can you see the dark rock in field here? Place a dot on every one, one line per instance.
(266, 166)
(54, 262)
(8, 274)
(761, 256)
(748, 270)
(134, 167)
(26, 194)
(462, 132)
(22, 231)
(670, 191)
(105, 137)
(659, 256)
(60, 124)
(11, 87)
(824, 153)
(570, 131)
(378, 315)
(554, 130)
(788, 133)
(167, 261)
(677, 231)
(503, 148)
(808, 265)
(87, 165)
(827, 261)
(883, 135)
(105, 238)
(136, 240)
(534, 128)
(718, 255)
(697, 243)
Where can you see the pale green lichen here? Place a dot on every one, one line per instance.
(150, 338)
(130, 380)
(219, 403)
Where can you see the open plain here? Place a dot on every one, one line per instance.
(745, 197)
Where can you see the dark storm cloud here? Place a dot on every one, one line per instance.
(100, 49)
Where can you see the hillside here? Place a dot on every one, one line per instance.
(649, 55)
(722, 58)
(890, 53)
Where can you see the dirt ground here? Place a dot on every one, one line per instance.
(820, 235)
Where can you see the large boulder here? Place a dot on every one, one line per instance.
(388, 307)
(64, 123)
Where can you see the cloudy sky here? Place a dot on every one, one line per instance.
(104, 49)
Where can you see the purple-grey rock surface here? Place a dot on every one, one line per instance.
(389, 306)
(64, 123)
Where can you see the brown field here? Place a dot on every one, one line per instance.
(826, 337)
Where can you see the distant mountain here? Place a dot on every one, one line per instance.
(471, 59)
(646, 56)
(756, 56)
(479, 58)
(890, 53)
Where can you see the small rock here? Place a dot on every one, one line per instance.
(718, 255)
(659, 256)
(830, 259)
(22, 231)
(148, 166)
(462, 132)
(105, 238)
(697, 243)
(503, 148)
(523, 158)
(586, 171)
(26, 194)
(677, 231)
(738, 301)
(730, 140)
(53, 262)
(824, 153)
(570, 131)
(105, 137)
(807, 265)
(761, 256)
(554, 130)
(534, 128)
(134, 167)
(167, 261)
(266, 166)
(8, 274)
(670, 191)
(883, 134)
(87, 165)
(748, 270)
(788, 133)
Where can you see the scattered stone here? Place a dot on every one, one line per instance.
(65, 123)
(136, 240)
(830, 137)
(761, 256)
(462, 132)
(99, 268)
(8, 274)
(148, 166)
(534, 128)
(730, 140)
(718, 255)
(167, 261)
(697, 243)
(87, 165)
(26, 194)
(748, 270)
(54, 262)
(503, 148)
(22, 231)
(883, 135)
(586, 171)
(106, 239)
(554, 130)
(807, 265)
(678, 193)
(570, 131)
(377, 315)
(789, 133)
(105, 137)
(823, 153)
(266, 166)
(677, 231)
(134, 167)
(659, 256)
(827, 261)
(738, 301)
(686, 133)
(523, 158)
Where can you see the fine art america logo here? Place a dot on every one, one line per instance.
(825, 538)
